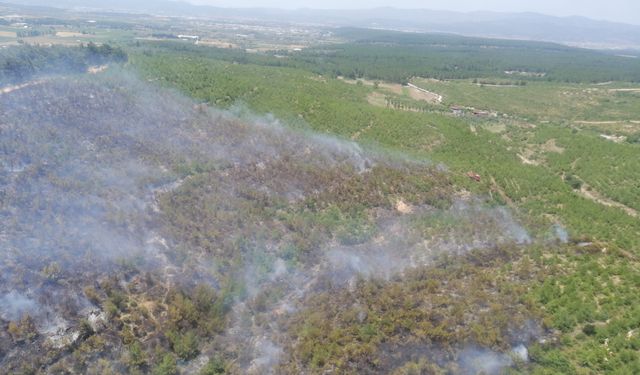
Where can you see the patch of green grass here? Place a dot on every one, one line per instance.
(543, 101)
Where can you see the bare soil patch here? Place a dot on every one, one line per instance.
(614, 138)
(625, 90)
(419, 93)
(403, 208)
(393, 87)
(525, 157)
(69, 34)
(97, 69)
(534, 154)
(8, 89)
(551, 146)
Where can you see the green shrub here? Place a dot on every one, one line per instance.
(214, 366)
(184, 345)
(167, 366)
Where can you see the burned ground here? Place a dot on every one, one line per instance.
(144, 233)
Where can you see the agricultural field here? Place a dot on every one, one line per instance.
(73, 28)
(371, 202)
(607, 103)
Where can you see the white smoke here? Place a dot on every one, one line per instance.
(14, 305)
(86, 160)
(483, 361)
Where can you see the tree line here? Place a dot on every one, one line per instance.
(24, 62)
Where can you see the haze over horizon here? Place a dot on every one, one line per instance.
(625, 11)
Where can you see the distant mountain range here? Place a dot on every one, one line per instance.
(577, 31)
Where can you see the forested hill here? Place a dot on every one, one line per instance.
(450, 57)
(398, 56)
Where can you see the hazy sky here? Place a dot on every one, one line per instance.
(614, 10)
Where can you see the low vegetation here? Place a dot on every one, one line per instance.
(493, 226)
